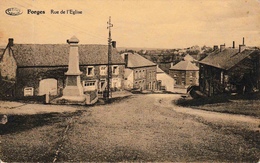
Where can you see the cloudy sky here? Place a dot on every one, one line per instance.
(137, 23)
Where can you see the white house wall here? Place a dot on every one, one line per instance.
(128, 84)
(167, 81)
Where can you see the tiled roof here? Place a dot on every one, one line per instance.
(226, 59)
(188, 58)
(58, 54)
(136, 60)
(185, 65)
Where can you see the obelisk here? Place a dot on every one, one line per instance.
(73, 86)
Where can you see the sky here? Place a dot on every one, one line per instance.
(136, 23)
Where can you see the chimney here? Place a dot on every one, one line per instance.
(233, 44)
(172, 64)
(126, 59)
(222, 47)
(243, 46)
(10, 42)
(114, 44)
(215, 47)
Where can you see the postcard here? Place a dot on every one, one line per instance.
(129, 81)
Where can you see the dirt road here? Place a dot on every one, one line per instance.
(138, 128)
(151, 128)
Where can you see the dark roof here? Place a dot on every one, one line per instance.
(136, 60)
(185, 65)
(58, 55)
(226, 59)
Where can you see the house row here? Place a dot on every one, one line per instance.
(142, 74)
(39, 69)
(230, 70)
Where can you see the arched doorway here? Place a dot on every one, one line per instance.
(48, 86)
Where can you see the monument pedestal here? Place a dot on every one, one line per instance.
(73, 85)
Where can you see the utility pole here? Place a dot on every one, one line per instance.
(109, 72)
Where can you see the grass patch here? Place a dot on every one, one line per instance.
(32, 138)
(238, 104)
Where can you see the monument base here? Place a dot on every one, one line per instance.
(73, 91)
(72, 100)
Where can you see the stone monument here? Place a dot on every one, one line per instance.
(73, 91)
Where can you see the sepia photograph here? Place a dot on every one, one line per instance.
(129, 81)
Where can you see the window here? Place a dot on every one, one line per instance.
(143, 73)
(183, 75)
(116, 82)
(191, 75)
(136, 74)
(115, 70)
(175, 75)
(102, 85)
(90, 71)
(89, 85)
(103, 70)
(139, 75)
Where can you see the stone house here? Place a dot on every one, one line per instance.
(37, 69)
(185, 74)
(140, 73)
(228, 70)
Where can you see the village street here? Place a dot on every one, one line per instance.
(136, 128)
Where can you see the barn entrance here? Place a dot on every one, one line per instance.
(48, 86)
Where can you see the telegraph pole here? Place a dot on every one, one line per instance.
(109, 72)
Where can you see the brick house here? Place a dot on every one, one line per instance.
(37, 69)
(140, 73)
(185, 74)
(230, 70)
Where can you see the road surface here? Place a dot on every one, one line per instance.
(138, 128)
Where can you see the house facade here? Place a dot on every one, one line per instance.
(140, 73)
(184, 73)
(228, 70)
(38, 69)
(164, 81)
